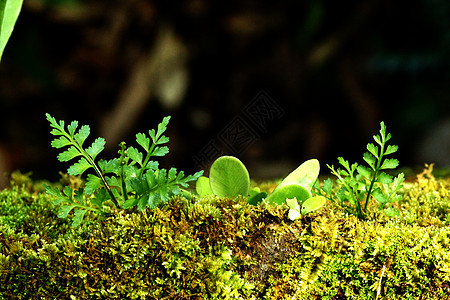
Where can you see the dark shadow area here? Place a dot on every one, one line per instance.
(328, 71)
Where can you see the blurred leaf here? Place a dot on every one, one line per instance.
(9, 12)
(202, 186)
(312, 204)
(78, 217)
(389, 164)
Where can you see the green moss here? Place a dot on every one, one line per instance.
(222, 248)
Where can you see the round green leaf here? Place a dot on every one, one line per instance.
(312, 203)
(202, 186)
(305, 175)
(290, 191)
(229, 177)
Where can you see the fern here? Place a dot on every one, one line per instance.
(358, 184)
(133, 178)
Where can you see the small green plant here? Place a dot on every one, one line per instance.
(295, 189)
(134, 180)
(360, 183)
(229, 177)
(9, 12)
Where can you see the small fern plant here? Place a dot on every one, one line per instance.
(131, 180)
(359, 184)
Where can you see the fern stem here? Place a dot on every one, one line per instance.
(147, 158)
(122, 153)
(374, 178)
(98, 171)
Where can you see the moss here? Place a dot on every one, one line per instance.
(222, 248)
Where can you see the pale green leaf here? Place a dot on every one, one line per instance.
(139, 186)
(378, 140)
(391, 149)
(370, 160)
(398, 182)
(144, 141)
(92, 184)
(373, 149)
(109, 166)
(228, 176)
(161, 176)
(160, 151)
(79, 167)
(9, 12)
(162, 140)
(294, 211)
(101, 196)
(153, 200)
(312, 204)
(61, 142)
(378, 195)
(113, 181)
(59, 128)
(82, 134)
(172, 174)
(57, 132)
(69, 154)
(72, 127)
(344, 163)
(305, 175)
(97, 146)
(64, 210)
(389, 164)
(293, 203)
(152, 165)
(142, 203)
(327, 186)
(130, 203)
(161, 128)
(183, 181)
(280, 195)
(78, 217)
(135, 155)
(364, 172)
(56, 193)
(384, 178)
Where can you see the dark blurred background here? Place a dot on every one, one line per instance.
(333, 69)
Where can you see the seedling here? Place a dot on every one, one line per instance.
(360, 183)
(134, 181)
(229, 177)
(308, 205)
(295, 189)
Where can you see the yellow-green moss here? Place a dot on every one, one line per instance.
(213, 248)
